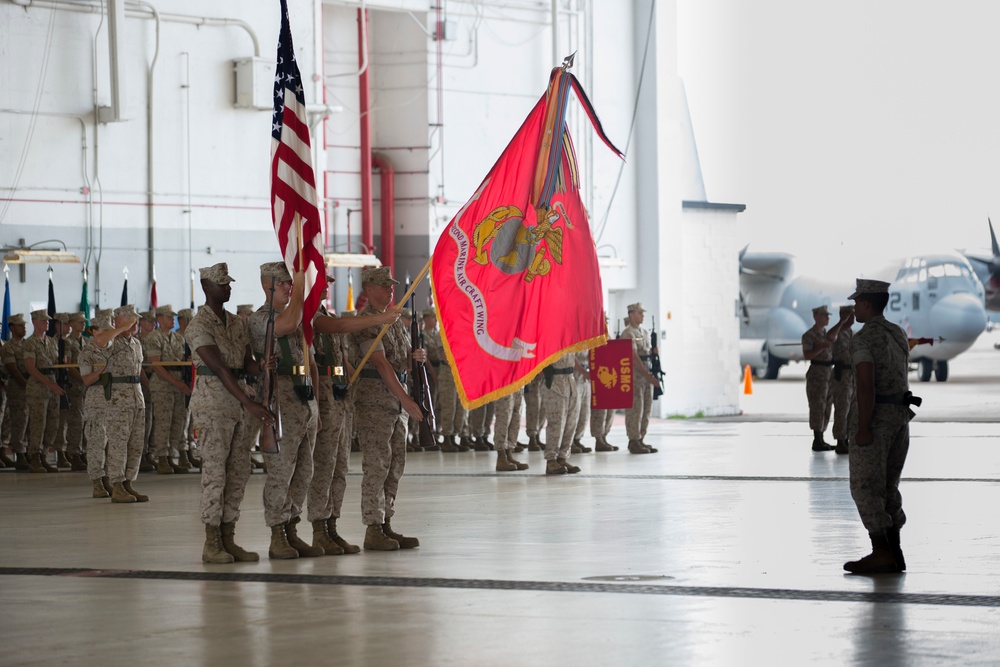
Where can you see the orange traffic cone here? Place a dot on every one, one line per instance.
(747, 381)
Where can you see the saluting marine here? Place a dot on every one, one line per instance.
(817, 349)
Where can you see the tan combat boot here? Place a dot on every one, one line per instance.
(650, 449)
(331, 528)
(146, 463)
(76, 463)
(503, 463)
(62, 461)
(182, 466)
(520, 465)
(44, 460)
(139, 497)
(184, 461)
(533, 444)
(448, 445)
(213, 552)
(404, 542)
(376, 540)
(636, 447)
(163, 466)
(195, 461)
(280, 548)
(99, 490)
(120, 495)
(305, 550)
(882, 559)
(323, 540)
(5, 460)
(841, 447)
(553, 467)
(107, 484)
(570, 468)
(239, 554)
(35, 463)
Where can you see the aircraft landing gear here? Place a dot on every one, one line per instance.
(926, 368)
(941, 371)
(774, 363)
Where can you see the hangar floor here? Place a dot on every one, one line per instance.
(724, 548)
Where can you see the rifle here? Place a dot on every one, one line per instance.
(62, 376)
(654, 361)
(270, 436)
(421, 392)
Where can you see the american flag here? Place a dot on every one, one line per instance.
(293, 183)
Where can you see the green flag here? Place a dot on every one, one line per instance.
(85, 301)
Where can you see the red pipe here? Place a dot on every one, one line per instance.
(388, 205)
(367, 233)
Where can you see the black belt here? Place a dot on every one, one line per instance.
(331, 371)
(124, 379)
(48, 371)
(843, 366)
(898, 399)
(205, 371)
(292, 371)
(821, 363)
(562, 371)
(373, 374)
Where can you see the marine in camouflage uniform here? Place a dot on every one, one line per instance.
(147, 324)
(507, 411)
(124, 414)
(451, 415)
(842, 380)
(17, 405)
(534, 416)
(583, 400)
(383, 404)
(168, 390)
(290, 470)
(93, 358)
(71, 419)
(560, 406)
(41, 352)
(637, 417)
(221, 409)
(817, 349)
(880, 423)
(332, 452)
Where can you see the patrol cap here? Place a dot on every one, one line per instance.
(867, 286)
(428, 312)
(62, 317)
(147, 316)
(330, 278)
(846, 309)
(40, 314)
(245, 309)
(78, 316)
(381, 275)
(126, 311)
(406, 312)
(636, 308)
(276, 270)
(165, 311)
(186, 313)
(16, 318)
(103, 312)
(821, 310)
(217, 273)
(102, 320)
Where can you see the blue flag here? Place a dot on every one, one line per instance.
(5, 327)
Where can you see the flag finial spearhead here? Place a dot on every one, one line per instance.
(568, 61)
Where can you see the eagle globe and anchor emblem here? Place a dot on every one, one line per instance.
(503, 240)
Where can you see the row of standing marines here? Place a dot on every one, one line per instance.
(105, 422)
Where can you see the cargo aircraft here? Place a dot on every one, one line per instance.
(937, 297)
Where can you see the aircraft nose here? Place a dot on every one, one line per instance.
(958, 318)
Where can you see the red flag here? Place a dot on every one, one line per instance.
(515, 274)
(153, 301)
(293, 182)
(612, 375)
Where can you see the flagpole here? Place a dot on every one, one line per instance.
(302, 267)
(385, 327)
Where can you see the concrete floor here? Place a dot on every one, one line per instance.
(725, 548)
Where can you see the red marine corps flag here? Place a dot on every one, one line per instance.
(515, 274)
(294, 209)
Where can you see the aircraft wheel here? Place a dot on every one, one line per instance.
(941, 371)
(774, 364)
(926, 368)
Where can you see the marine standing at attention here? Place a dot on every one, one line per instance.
(881, 426)
(842, 382)
(817, 349)
(637, 417)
